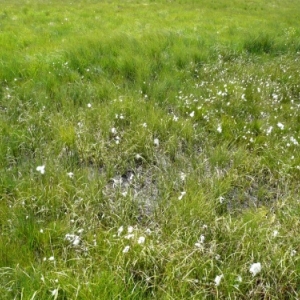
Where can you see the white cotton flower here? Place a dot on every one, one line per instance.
(275, 233)
(294, 141)
(130, 229)
(202, 239)
(113, 131)
(129, 236)
(148, 231)
(219, 128)
(182, 194)
(126, 249)
(175, 118)
(120, 230)
(255, 268)
(70, 174)
(280, 125)
(76, 241)
(182, 176)
(156, 142)
(269, 130)
(192, 114)
(218, 279)
(73, 239)
(54, 293)
(141, 240)
(41, 169)
(89, 105)
(51, 258)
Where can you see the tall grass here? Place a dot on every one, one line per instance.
(169, 135)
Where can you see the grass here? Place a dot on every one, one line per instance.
(169, 136)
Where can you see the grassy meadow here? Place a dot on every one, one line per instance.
(149, 149)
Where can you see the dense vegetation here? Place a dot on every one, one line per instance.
(149, 149)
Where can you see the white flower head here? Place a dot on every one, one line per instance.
(73, 239)
(218, 257)
(156, 142)
(182, 176)
(89, 105)
(113, 131)
(148, 231)
(130, 229)
(70, 174)
(219, 128)
(129, 236)
(200, 242)
(202, 239)
(141, 240)
(54, 293)
(120, 230)
(294, 141)
(76, 241)
(41, 169)
(218, 279)
(255, 268)
(182, 194)
(126, 249)
(280, 125)
(269, 130)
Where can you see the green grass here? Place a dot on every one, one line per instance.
(176, 121)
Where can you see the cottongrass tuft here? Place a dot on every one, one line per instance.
(218, 279)
(41, 169)
(255, 269)
(126, 249)
(141, 240)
